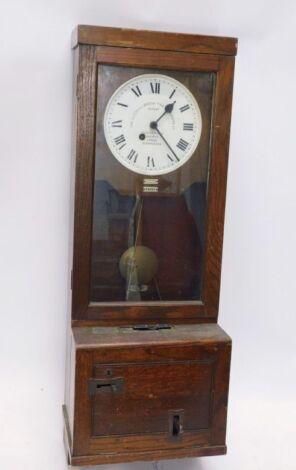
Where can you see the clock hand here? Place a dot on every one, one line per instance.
(167, 109)
(164, 139)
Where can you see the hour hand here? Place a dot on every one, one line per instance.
(167, 109)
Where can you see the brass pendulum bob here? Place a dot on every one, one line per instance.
(138, 266)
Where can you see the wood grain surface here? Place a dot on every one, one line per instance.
(183, 371)
(89, 57)
(101, 35)
(175, 379)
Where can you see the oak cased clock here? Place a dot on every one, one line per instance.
(148, 366)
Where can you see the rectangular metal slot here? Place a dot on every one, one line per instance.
(151, 327)
(175, 424)
(97, 386)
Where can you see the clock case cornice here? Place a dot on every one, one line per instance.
(169, 51)
(158, 40)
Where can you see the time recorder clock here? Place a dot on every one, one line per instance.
(148, 366)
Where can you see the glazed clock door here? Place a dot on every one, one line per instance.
(151, 167)
(150, 247)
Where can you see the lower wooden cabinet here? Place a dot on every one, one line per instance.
(137, 394)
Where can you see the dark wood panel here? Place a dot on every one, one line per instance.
(138, 443)
(99, 35)
(82, 415)
(154, 353)
(141, 313)
(217, 185)
(150, 395)
(220, 405)
(181, 375)
(85, 138)
(154, 59)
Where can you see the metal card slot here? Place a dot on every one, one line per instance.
(175, 424)
(98, 386)
(151, 327)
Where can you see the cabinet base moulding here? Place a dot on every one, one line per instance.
(112, 458)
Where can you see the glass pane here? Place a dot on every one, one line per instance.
(148, 238)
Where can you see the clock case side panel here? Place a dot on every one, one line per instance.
(124, 313)
(217, 185)
(84, 168)
(69, 394)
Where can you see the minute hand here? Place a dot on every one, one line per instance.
(166, 142)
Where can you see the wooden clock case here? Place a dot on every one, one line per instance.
(149, 380)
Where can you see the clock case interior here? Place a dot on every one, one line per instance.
(123, 348)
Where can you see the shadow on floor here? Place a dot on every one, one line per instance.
(179, 464)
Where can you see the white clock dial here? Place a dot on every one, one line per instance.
(152, 124)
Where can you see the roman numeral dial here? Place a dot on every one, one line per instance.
(155, 87)
(137, 91)
(150, 162)
(187, 126)
(152, 124)
(117, 123)
(184, 108)
(182, 144)
(132, 156)
(120, 141)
